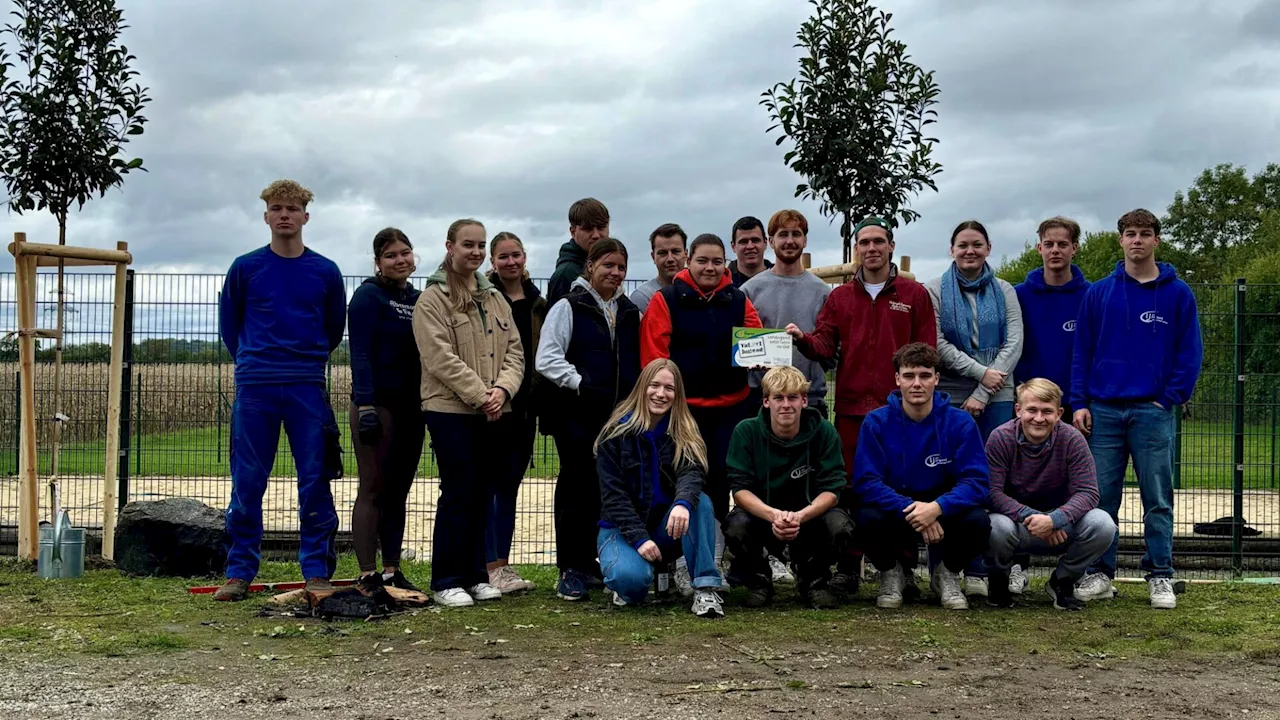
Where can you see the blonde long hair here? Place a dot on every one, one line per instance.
(459, 293)
(682, 428)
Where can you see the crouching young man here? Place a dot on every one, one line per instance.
(920, 472)
(1044, 496)
(786, 472)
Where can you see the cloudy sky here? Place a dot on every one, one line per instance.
(419, 113)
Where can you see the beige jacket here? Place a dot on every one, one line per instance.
(463, 355)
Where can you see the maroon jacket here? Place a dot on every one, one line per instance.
(865, 333)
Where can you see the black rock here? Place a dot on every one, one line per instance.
(177, 537)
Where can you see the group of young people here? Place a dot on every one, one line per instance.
(988, 422)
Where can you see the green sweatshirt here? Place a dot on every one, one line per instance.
(786, 474)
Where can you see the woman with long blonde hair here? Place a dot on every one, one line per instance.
(472, 366)
(652, 463)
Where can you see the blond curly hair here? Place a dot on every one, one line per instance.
(287, 191)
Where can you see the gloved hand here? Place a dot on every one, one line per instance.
(370, 427)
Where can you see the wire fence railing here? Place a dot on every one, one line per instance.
(180, 386)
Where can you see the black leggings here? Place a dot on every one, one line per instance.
(577, 504)
(386, 472)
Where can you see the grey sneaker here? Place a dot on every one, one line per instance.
(707, 604)
(1095, 586)
(1162, 596)
(781, 573)
(1017, 580)
(683, 583)
(946, 585)
(975, 586)
(484, 591)
(891, 584)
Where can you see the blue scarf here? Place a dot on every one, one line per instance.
(957, 317)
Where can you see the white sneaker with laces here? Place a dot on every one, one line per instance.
(1095, 586)
(485, 591)
(946, 585)
(781, 573)
(891, 584)
(975, 586)
(1162, 595)
(681, 579)
(1017, 580)
(618, 601)
(707, 604)
(454, 597)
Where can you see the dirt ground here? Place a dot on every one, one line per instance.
(711, 680)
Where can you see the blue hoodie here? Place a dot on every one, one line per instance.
(900, 461)
(1049, 315)
(1137, 342)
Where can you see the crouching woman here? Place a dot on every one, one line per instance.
(652, 464)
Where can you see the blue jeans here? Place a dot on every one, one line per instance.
(1087, 539)
(501, 525)
(631, 576)
(256, 416)
(1144, 432)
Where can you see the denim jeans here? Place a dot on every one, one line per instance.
(631, 576)
(1144, 432)
(1087, 539)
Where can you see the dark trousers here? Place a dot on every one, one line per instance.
(501, 526)
(471, 453)
(716, 426)
(577, 504)
(386, 470)
(888, 539)
(816, 547)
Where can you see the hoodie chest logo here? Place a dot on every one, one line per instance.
(1151, 316)
(403, 311)
(935, 460)
(800, 472)
(1069, 326)
(899, 306)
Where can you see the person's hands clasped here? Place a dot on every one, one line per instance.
(649, 551)
(369, 426)
(786, 525)
(932, 533)
(495, 398)
(1039, 525)
(922, 514)
(974, 407)
(994, 380)
(678, 522)
(1056, 538)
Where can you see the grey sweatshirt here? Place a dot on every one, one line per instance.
(780, 300)
(643, 294)
(961, 375)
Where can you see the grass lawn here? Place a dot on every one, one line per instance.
(202, 452)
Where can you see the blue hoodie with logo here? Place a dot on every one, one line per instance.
(1049, 315)
(940, 458)
(1137, 342)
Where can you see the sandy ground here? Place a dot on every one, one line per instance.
(534, 519)
(705, 680)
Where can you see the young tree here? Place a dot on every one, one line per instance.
(70, 104)
(857, 117)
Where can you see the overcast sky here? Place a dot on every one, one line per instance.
(419, 113)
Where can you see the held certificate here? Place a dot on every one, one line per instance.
(767, 347)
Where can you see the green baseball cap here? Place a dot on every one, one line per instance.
(873, 221)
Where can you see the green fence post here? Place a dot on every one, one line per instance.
(1275, 436)
(137, 428)
(1237, 449)
(17, 421)
(218, 325)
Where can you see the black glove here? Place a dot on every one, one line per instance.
(370, 427)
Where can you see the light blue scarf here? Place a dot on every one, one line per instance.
(957, 317)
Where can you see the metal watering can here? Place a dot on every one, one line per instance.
(61, 549)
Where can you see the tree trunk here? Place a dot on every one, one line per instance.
(846, 238)
(54, 494)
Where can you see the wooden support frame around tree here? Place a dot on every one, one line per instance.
(843, 272)
(27, 257)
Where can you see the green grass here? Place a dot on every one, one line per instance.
(202, 452)
(105, 613)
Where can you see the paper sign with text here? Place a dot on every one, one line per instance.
(767, 347)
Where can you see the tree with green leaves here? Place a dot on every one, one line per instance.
(70, 104)
(857, 117)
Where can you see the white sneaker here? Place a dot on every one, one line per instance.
(507, 580)
(891, 584)
(1017, 580)
(485, 591)
(1095, 586)
(683, 583)
(707, 604)
(781, 573)
(975, 586)
(1162, 596)
(946, 585)
(454, 597)
(617, 600)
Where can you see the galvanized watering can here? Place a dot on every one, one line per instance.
(61, 549)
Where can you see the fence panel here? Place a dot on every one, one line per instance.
(1227, 448)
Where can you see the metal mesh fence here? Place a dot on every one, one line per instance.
(180, 386)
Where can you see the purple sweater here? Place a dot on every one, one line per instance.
(1057, 479)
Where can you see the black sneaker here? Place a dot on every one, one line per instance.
(572, 586)
(998, 593)
(844, 583)
(370, 584)
(821, 598)
(1063, 594)
(398, 580)
(758, 597)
